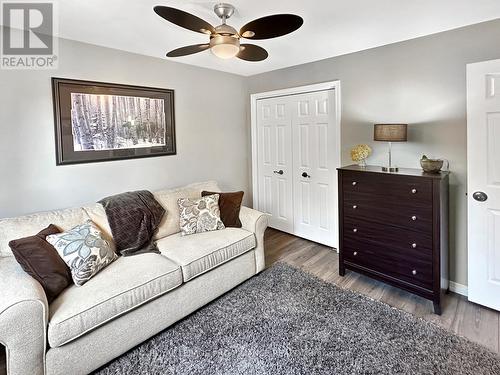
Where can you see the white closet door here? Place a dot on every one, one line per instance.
(483, 180)
(274, 135)
(314, 172)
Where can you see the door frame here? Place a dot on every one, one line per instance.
(323, 86)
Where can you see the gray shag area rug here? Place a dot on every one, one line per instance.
(285, 321)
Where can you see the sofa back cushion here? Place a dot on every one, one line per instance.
(98, 216)
(168, 199)
(29, 225)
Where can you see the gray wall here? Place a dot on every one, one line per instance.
(420, 82)
(210, 111)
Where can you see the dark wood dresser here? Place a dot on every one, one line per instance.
(394, 228)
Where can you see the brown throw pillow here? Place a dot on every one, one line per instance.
(40, 260)
(229, 205)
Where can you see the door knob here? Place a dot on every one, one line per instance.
(304, 174)
(279, 172)
(480, 196)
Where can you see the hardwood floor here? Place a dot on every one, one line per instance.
(467, 319)
(475, 322)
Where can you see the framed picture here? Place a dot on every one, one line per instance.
(97, 121)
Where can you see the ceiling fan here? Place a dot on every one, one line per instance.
(224, 39)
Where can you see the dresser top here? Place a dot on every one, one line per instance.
(401, 172)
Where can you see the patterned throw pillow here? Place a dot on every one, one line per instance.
(83, 250)
(229, 206)
(199, 215)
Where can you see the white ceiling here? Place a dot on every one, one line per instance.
(331, 27)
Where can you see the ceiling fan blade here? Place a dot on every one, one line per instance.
(251, 52)
(184, 19)
(271, 26)
(188, 50)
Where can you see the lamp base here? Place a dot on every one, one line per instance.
(390, 169)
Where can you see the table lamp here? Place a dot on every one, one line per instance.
(390, 133)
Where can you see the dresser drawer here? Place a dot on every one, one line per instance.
(390, 262)
(380, 235)
(405, 188)
(407, 256)
(391, 211)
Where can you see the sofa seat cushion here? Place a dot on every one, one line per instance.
(122, 286)
(201, 252)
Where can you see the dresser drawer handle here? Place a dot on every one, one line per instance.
(354, 183)
(354, 207)
(355, 253)
(414, 191)
(355, 230)
(414, 218)
(414, 245)
(414, 272)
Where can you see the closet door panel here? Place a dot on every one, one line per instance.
(275, 162)
(314, 168)
(296, 153)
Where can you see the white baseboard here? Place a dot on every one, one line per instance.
(458, 288)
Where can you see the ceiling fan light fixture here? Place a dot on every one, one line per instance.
(225, 39)
(224, 47)
(248, 34)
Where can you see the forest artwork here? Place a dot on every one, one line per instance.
(98, 121)
(109, 122)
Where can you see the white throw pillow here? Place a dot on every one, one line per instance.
(84, 251)
(199, 215)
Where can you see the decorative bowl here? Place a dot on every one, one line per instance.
(431, 165)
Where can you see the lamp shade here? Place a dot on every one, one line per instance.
(390, 132)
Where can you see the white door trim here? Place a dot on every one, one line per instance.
(332, 85)
(458, 288)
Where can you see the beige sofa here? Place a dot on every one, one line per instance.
(129, 301)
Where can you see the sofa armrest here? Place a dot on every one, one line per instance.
(23, 319)
(256, 222)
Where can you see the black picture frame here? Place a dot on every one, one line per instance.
(84, 134)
